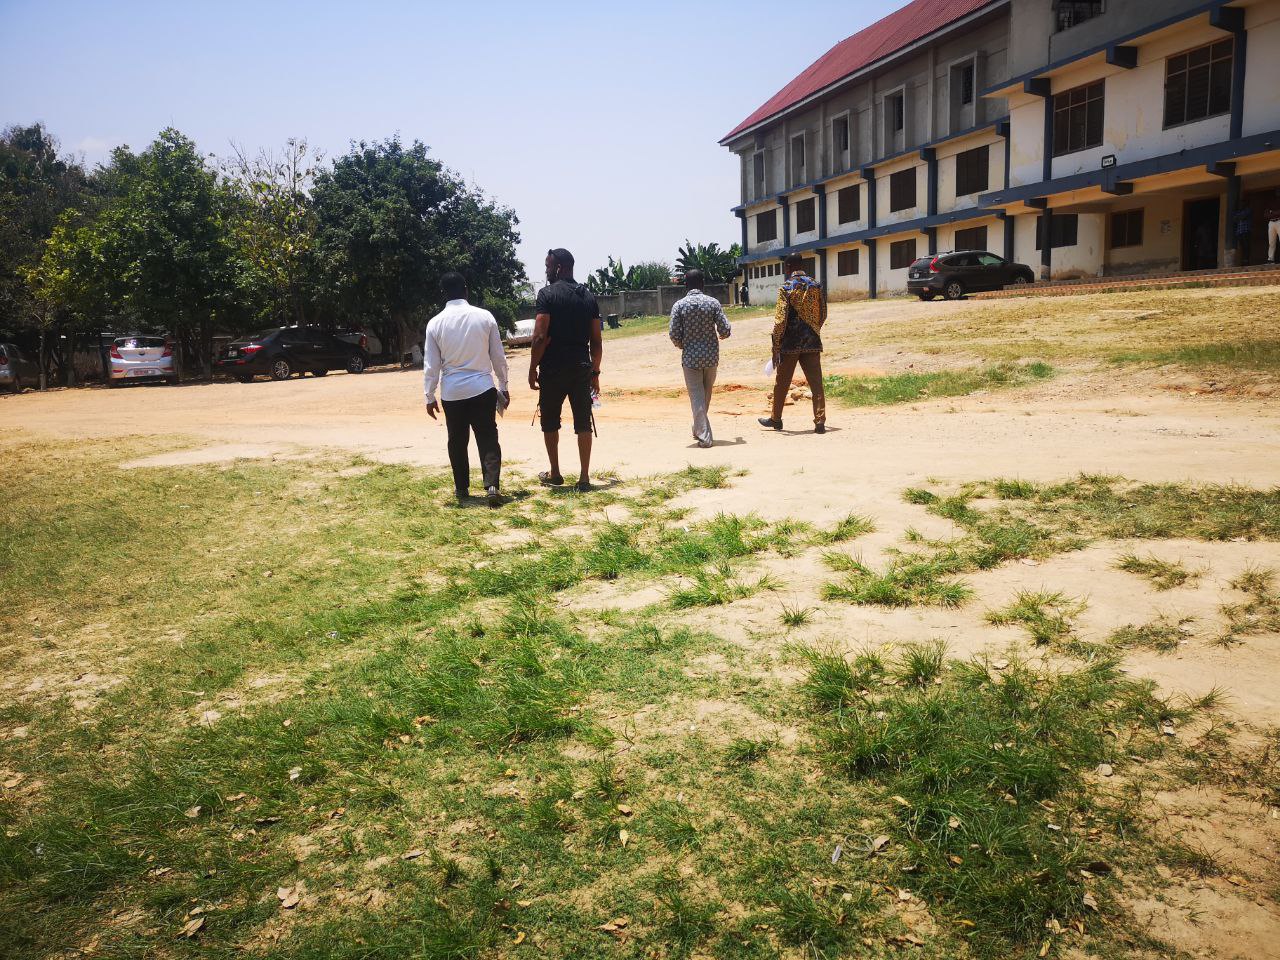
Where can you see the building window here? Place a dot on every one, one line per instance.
(1126, 229)
(974, 238)
(902, 190)
(797, 159)
(840, 142)
(896, 111)
(972, 171)
(846, 263)
(1071, 12)
(766, 226)
(758, 176)
(810, 266)
(1197, 83)
(901, 254)
(1064, 230)
(805, 216)
(1077, 119)
(849, 204)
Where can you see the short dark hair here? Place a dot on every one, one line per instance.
(453, 285)
(795, 262)
(693, 280)
(562, 256)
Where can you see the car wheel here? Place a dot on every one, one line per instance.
(954, 290)
(319, 373)
(1021, 280)
(171, 381)
(355, 364)
(280, 369)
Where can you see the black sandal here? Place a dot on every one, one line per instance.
(548, 479)
(583, 487)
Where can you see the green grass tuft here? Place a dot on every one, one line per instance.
(911, 387)
(1046, 616)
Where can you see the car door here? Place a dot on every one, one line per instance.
(960, 267)
(334, 350)
(993, 271)
(301, 348)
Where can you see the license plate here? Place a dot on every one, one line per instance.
(143, 373)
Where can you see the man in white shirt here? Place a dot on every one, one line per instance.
(464, 356)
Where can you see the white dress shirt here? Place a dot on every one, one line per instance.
(464, 353)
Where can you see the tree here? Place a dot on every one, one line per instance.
(37, 185)
(391, 221)
(273, 228)
(156, 254)
(717, 266)
(614, 278)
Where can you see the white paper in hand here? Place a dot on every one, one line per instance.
(768, 367)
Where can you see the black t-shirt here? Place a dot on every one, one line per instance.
(571, 307)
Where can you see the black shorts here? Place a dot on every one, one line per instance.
(573, 383)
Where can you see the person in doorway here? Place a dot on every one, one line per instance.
(745, 299)
(698, 324)
(564, 362)
(464, 358)
(797, 339)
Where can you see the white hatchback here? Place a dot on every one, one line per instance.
(142, 358)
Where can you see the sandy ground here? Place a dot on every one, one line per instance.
(1088, 419)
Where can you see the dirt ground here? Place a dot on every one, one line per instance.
(1142, 423)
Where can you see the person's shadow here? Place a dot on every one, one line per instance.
(801, 433)
(736, 442)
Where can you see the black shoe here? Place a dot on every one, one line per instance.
(819, 428)
(495, 499)
(770, 422)
(462, 496)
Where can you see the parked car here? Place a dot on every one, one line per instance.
(16, 369)
(952, 275)
(522, 335)
(366, 340)
(280, 352)
(135, 358)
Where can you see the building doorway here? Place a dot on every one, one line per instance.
(1200, 234)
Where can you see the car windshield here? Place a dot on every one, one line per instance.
(921, 261)
(139, 342)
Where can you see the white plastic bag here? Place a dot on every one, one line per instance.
(768, 367)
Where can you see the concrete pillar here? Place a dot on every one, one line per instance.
(871, 270)
(820, 193)
(786, 223)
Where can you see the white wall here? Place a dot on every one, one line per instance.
(1026, 128)
(1262, 69)
(834, 227)
(852, 286)
(895, 281)
(883, 174)
(946, 154)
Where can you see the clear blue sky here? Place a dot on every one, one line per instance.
(598, 122)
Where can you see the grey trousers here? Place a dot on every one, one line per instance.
(699, 382)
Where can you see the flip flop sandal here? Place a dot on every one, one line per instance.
(548, 479)
(583, 487)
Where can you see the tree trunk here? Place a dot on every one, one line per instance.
(44, 360)
(206, 344)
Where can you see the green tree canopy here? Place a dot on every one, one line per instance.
(391, 221)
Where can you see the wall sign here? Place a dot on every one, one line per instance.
(1108, 161)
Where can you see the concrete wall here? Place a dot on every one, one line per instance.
(649, 303)
(946, 157)
(1120, 18)
(1262, 77)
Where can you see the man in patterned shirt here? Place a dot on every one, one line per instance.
(797, 325)
(698, 324)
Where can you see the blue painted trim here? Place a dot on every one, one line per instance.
(888, 158)
(1007, 221)
(931, 234)
(931, 199)
(871, 272)
(919, 225)
(786, 221)
(1167, 163)
(820, 191)
(1021, 79)
(1122, 56)
(869, 175)
(1239, 57)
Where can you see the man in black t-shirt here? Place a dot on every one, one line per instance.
(565, 361)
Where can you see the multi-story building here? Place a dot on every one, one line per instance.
(1131, 135)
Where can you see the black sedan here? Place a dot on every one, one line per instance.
(281, 352)
(952, 275)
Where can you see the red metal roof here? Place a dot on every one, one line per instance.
(917, 19)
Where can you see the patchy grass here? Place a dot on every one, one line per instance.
(1243, 355)
(1087, 327)
(911, 387)
(1161, 634)
(1259, 613)
(1047, 617)
(642, 326)
(984, 780)
(1163, 574)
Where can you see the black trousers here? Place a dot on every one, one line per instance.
(462, 418)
